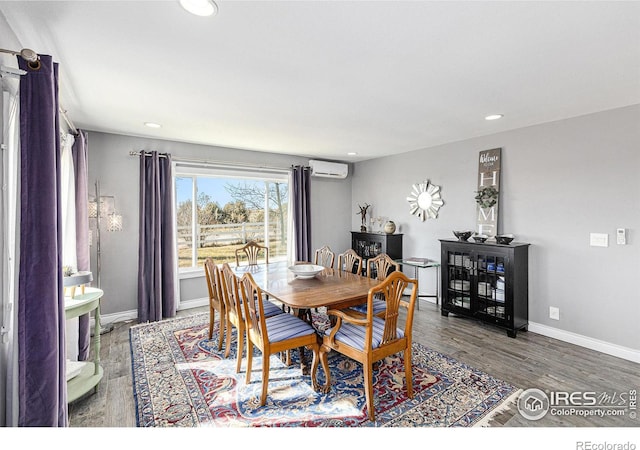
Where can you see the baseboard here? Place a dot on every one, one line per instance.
(584, 341)
(106, 319)
(195, 303)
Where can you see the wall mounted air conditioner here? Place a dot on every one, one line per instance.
(328, 169)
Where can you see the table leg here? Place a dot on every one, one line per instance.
(305, 315)
(415, 275)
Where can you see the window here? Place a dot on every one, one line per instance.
(219, 210)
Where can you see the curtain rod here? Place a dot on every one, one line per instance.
(32, 59)
(208, 161)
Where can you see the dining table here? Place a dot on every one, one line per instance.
(330, 288)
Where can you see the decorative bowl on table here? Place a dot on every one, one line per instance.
(306, 271)
(480, 238)
(463, 235)
(504, 238)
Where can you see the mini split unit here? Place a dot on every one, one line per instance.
(328, 169)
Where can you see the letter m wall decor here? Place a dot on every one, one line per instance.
(487, 197)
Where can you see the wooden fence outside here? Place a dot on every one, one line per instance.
(225, 234)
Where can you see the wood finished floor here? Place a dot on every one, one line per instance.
(529, 361)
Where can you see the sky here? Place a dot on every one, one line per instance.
(214, 187)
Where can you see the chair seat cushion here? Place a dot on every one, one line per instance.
(379, 305)
(353, 335)
(271, 309)
(286, 326)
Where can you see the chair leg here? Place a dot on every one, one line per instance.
(408, 372)
(223, 326)
(212, 318)
(368, 389)
(249, 360)
(240, 350)
(265, 378)
(228, 344)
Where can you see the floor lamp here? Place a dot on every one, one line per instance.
(102, 208)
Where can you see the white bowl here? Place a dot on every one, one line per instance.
(306, 271)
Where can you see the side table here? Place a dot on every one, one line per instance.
(90, 372)
(423, 263)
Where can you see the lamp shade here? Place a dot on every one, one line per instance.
(114, 222)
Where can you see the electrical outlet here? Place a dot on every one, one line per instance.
(554, 313)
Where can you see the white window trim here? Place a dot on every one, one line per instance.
(201, 169)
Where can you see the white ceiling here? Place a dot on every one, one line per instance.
(323, 78)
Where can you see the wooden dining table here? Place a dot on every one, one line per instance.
(331, 288)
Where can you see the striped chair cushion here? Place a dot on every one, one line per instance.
(379, 305)
(286, 326)
(270, 309)
(353, 335)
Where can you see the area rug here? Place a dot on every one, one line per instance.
(180, 379)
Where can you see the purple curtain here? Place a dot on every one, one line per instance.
(302, 212)
(41, 321)
(156, 252)
(81, 170)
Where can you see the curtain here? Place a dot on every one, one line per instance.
(301, 201)
(156, 252)
(81, 170)
(68, 203)
(10, 253)
(41, 339)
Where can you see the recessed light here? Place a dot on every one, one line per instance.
(152, 125)
(352, 153)
(201, 8)
(493, 117)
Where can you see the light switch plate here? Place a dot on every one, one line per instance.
(599, 240)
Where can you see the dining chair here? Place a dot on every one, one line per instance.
(216, 301)
(379, 268)
(370, 338)
(273, 335)
(235, 312)
(350, 261)
(324, 257)
(251, 251)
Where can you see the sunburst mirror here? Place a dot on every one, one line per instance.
(425, 200)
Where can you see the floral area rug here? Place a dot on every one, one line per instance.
(180, 379)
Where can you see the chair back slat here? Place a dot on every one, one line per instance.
(350, 261)
(253, 308)
(231, 295)
(325, 257)
(252, 252)
(381, 266)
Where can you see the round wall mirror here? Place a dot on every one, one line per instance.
(425, 200)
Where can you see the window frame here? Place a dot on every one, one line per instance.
(195, 170)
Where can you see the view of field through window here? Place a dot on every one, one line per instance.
(229, 212)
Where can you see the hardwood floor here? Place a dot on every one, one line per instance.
(529, 361)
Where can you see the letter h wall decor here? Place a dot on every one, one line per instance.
(487, 197)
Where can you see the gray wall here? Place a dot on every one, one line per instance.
(117, 172)
(560, 182)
